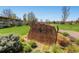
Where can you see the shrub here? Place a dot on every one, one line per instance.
(27, 48)
(37, 51)
(56, 49)
(77, 41)
(65, 34)
(10, 44)
(72, 49)
(45, 48)
(32, 44)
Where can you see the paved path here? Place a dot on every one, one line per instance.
(73, 34)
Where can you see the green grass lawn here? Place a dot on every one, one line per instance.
(23, 30)
(18, 30)
(73, 27)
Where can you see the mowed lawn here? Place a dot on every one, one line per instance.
(73, 27)
(18, 30)
(23, 30)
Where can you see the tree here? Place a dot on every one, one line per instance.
(14, 16)
(31, 19)
(41, 20)
(77, 21)
(65, 13)
(8, 13)
(24, 18)
(47, 21)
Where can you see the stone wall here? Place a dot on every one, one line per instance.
(43, 33)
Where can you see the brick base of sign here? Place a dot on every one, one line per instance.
(43, 33)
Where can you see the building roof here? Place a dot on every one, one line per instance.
(8, 18)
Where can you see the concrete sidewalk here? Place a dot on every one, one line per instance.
(73, 34)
